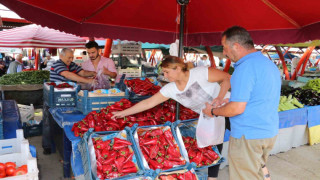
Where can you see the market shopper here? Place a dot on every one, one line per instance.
(255, 94)
(65, 70)
(15, 66)
(104, 67)
(191, 88)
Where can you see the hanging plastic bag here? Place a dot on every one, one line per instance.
(210, 130)
(102, 81)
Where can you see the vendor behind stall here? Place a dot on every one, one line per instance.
(104, 67)
(65, 70)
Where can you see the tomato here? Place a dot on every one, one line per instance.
(10, 171)
(24, 167)
(20, 171)
(3, 174)
(2, 167)
(10, 164)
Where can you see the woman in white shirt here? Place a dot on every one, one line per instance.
(191, 88)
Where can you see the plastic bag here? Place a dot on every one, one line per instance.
(102, 81)
(210, 130)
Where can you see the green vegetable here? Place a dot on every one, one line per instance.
(288, 103)
(26, 77)
(313, 84)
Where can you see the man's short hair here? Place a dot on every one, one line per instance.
(92, 44)
(239, 35)
(65, 50)
(204, 56)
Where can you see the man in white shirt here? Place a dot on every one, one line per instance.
(204, 61)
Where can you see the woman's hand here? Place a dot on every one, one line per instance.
(217, 102)
(118, 114)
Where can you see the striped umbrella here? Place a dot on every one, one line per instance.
(35, 36)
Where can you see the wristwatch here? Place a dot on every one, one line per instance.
(212, 113)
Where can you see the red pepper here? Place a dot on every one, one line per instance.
(111, 123)
(130, 170)
(169, 137)
(97, 128)
(162, 153)
(172, 158)
(145, 149)
(74, 126)
(163, 140)
(115, 108)
(124, 152)
(106, 169)
(213, 154)
(148, 141)
(128, 158)
(154, 151)
(100, 144)
(76, 131)
(155, 165)
(105, 153)
(83, 128)
(173, 151)
(181, 176)
(119, 146)
(198, 158)
(129, 164)
(160, 159)
(121, 141)
(99, 166)
(119, 163)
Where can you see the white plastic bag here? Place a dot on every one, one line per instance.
(210, 130)
(102, 81)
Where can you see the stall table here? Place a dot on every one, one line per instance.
(293, 132)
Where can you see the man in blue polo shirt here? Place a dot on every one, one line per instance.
(65, 70)
(255, 94)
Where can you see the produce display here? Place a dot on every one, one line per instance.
(201, 156)
(62, 85)
(305, 96)
(159, 148)
(10, 169)
(142, 87)
(288, 103)
(179, 176)
(102, 121)
(26, 77)
(114, 158)
(313, 84)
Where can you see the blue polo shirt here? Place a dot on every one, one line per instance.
(256, 80)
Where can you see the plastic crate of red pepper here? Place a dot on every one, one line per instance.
(188, 173)
(158, 148)
(114, 156)
(60, 94)
(202, 157)
(141, 88)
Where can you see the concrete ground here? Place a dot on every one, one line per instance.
(302, 163)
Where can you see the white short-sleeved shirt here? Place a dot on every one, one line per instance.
(197, 92)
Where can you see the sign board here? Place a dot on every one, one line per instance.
(10, 50)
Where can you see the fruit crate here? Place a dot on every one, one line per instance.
(56, 97)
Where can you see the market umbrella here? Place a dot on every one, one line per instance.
(39, 37)
(156, 21)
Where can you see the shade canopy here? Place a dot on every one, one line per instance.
(156, 21)
(39, 37)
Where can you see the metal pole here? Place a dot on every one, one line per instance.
(182, 4)
(181, 32)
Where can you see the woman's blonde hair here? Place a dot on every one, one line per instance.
(172, 62)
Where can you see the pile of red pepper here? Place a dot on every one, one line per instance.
(159, 148)
(201, 156)
(114, 158)
(62, 85)
(102, 121)
(142, 87)
(179, 176)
